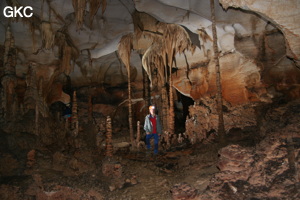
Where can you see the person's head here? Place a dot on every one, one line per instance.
(152, 110)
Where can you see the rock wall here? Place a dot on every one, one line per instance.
(203, 121)
(269, 169)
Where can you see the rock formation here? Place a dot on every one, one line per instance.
(110, 60)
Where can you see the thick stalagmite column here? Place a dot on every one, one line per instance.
(75, 125)
(171, 105)
(221, 129)
(130, 109)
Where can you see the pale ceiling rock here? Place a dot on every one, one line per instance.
(193, 59)
(284, 14)
(106, 70)
(241, 80)
(195, 15)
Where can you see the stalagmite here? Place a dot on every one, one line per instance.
(138, 134)
(109, 147)
(75, 123)
(180, 138)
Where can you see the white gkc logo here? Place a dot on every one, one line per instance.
(14, 11)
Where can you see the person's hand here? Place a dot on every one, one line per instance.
(147, 133)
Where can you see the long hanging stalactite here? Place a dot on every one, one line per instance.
(221, 129)
(166, 43)
(124, 50)
(80, 7)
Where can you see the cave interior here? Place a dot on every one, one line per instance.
(78, 77)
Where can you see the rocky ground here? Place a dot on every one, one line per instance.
(259, 162)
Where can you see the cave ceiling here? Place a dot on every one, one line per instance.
(257, 39)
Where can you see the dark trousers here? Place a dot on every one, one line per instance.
(156, 139)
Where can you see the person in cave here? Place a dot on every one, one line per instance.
(152, 126)
(67, 113)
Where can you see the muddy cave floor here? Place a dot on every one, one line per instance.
(77, 173)
(154, 175)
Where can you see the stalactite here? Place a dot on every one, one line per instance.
(109, 147)
(94, 6)
(146, 91)
(79, 9)
(66, 59)
(47, 35)
(221, 128)
(75, 123)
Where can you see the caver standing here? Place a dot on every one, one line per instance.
(152, 127)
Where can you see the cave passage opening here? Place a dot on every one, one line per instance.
(181, 111)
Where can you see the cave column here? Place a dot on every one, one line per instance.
(171, 105)
(221, 128)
